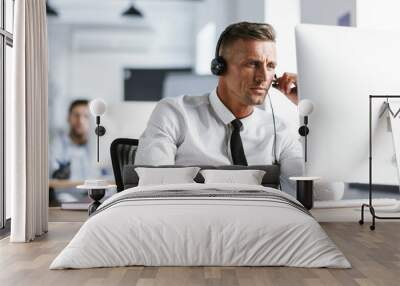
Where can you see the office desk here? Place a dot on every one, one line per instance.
(57, 184)
(63, 184)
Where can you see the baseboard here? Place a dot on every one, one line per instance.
(375, 187)
(353, 203)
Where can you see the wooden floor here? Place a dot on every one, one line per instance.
(374, 255)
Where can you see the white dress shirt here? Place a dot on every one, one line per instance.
(64, 150)
(196, 130)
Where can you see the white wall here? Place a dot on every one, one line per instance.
(284, 15)
(211, 18)
(364, 13)
(255, 12)
(59, 38)
(327, 12)
(378, 14)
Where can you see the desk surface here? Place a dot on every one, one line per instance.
(68, 184)
(304, 178)
(62, 184)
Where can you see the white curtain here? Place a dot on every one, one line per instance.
(27, 123)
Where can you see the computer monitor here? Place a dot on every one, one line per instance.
(338, 68)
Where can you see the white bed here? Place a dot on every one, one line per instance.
(248, 225)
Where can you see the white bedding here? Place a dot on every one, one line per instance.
(183, 231)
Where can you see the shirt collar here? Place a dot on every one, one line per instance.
(225, 114)
(220, 109)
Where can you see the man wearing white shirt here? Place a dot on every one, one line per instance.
(224, 127)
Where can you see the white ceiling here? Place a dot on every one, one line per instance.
(105, 11)
(98, 24)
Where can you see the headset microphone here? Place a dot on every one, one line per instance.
(275, 83)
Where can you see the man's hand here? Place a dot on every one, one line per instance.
(287, 84)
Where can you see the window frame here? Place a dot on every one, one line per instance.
(6, 39)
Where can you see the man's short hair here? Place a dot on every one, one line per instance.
(246, 31)
(76, 103)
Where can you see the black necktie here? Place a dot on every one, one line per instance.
(238, 156)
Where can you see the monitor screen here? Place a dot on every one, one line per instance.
(339, 78)
(147, 84)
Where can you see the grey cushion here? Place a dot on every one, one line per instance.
(271, 178)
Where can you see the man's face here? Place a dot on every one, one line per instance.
(251, 70)
(78, 120)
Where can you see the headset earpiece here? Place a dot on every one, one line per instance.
(218, 65)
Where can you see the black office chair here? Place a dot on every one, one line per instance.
(123, 151)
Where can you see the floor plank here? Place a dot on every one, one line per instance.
(375, 257)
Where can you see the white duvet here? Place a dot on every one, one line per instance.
(200, 231)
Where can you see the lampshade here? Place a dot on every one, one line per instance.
(306, 107)
(132, 11)
(50, 11)
(97, 107)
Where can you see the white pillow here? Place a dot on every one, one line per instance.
(163, 176)
(248, 177)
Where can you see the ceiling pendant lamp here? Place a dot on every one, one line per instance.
(132, 12)
(50, 11)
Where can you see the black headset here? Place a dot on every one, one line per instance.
(218, 63)
(218, 67)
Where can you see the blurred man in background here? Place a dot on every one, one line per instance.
(70, 155)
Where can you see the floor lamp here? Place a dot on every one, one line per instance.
(98, 108)
(96, 188)
(304, 185)
(306, 107)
